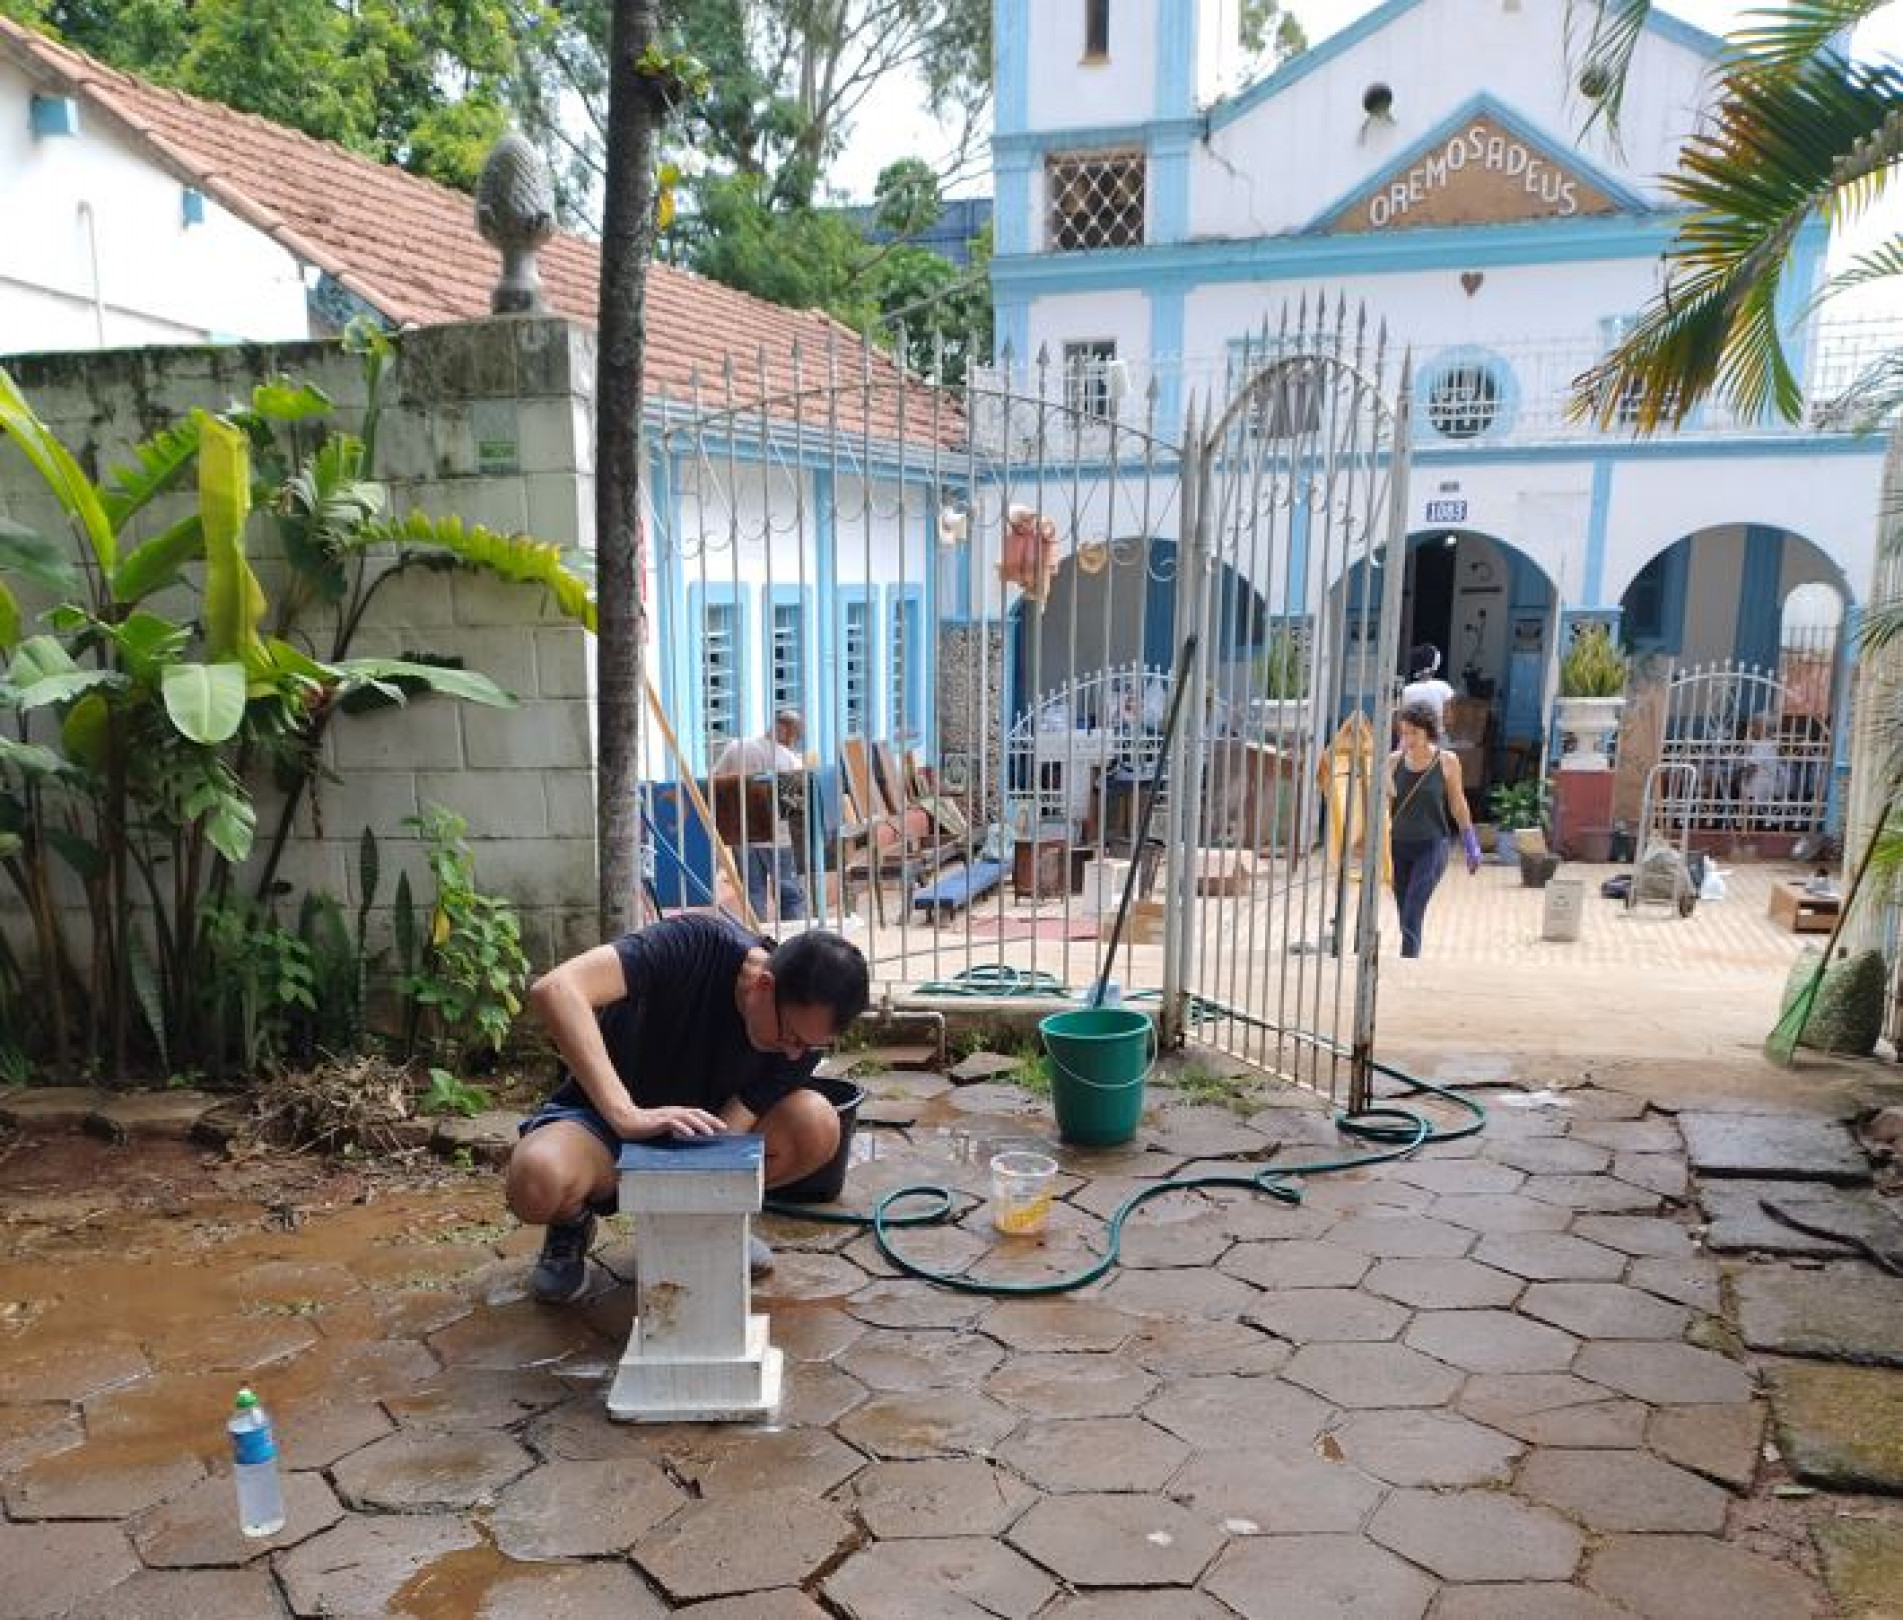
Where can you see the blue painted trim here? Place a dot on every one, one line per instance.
(1012, 226)
(1760, 601)
(824, 725)
(1840, 719)
(844, 596)
(701, 595)
(1295, 258)
(1428, 375)
(1300, 518)
(1011, 59)
(1168, 184)
(915, 717)
(1677, 573)
(1592, 587)
(1294, 71)
(1797, 288)
(1011, 330)
(1029, 145)
(1661, 450)
(1553, 148)
(667, 520)
(191, 206)
(1166, 350)
(1176, 57)
(776, 597)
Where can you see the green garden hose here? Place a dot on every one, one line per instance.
(1398, 1129)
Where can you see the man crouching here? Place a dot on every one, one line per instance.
(686, 1028)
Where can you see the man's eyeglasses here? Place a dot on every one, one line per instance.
(795, 1042)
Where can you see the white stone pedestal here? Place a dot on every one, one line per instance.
(697, 1354)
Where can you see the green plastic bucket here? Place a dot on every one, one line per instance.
(1100, 1057)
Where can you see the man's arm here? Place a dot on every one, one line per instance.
(566, 999)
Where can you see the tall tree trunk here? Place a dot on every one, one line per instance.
(627, 242)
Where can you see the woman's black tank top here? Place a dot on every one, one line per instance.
(1420, 813)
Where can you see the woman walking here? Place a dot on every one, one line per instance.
(1426, 803)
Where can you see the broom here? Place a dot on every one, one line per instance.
(1780, 1046)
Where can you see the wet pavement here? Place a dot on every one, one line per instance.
(1508, 1376)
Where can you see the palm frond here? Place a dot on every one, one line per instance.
(1602, 37)
(515, 558)
(1778, 153)
(1879, 264)
(157, 465)
(1783, 38)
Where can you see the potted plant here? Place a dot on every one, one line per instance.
(1592, 677)
(1516, 806)
(1281, 683)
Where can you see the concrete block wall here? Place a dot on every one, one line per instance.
(491, 422)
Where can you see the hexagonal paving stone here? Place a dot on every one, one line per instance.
(1553, 1409)
(485, 1398)
(814, 1333)
(927, 1423)
(581, 1431)
(1203, 1131)
(582, 1509)
(966, 1575)
(1296, 1263)
(1298, 1492)
(1189, 1349)
(1458, 1177)
(905, 1302)
(183, 1594)
(1720, 1442)
(1516, 1601)
(1180, 1294)
(1368, 1375)
(1491, 1341)
(1117, 1540)
(1451, 1285)
(199, 1529)
(53, 1567)
(1605, 1311)
(1225, 1413)
(1502, 1212)
(361, 1565)
(1656, 1134)
(100, 1479)
(780, 1603)
(1276, 1577)
(1661, 1173)
(1478, 1536)
(56, 1370)
(1135, 1605)
(1623, 1490)
(711, 1549)
(891, 1363)
(1156, 1245)
(1637, 1234)
(956, 1496)
(1600, 1195)
(1305, 1315)
(1426, 1448)
(1056, 1386)
(817, 1395)
(1359, 1193)
(1843, 1312)
(1698, 1578)
(1549, 1257)
(1057, 1324)
(1690, 1280)
(1664, 1374)
(1554, 1156)
(36, 1430)
(520, 1333)
(591, 1591)
(420, 1469)
(1094, 1454)
(800, 1276)
(1401, 1237)
(730, 1459)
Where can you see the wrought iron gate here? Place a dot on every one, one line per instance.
(1758, 747)
(977, 596)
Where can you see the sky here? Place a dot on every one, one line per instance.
(895, 122)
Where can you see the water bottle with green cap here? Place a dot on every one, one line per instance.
(254, 1458)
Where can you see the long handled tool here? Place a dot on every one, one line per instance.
(1183, 659)
(722, 854)
(1780, 1046)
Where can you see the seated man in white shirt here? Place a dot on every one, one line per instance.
(773, 875)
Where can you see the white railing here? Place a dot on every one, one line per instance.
(1514, 391)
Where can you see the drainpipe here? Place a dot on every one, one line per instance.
(87, 215)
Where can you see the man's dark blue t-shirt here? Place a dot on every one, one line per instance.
(677, 1039)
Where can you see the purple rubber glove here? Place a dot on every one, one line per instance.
(1470, 842)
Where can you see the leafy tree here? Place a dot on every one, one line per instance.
(1796, 131)
(1270, 34)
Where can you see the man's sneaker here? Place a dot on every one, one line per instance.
(561, 1272)
(759, 1257)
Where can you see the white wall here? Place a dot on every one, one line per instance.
(129, 264)
(1279, 166)
(1066, 91)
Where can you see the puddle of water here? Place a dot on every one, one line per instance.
(454, 1586)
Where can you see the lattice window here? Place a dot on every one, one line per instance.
(903, 656)
(787, 656)
(1095, 201)
(1464, 400)
(858, 668)
(719, 675)
(1087, 372)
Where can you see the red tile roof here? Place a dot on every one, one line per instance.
(410, 248)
